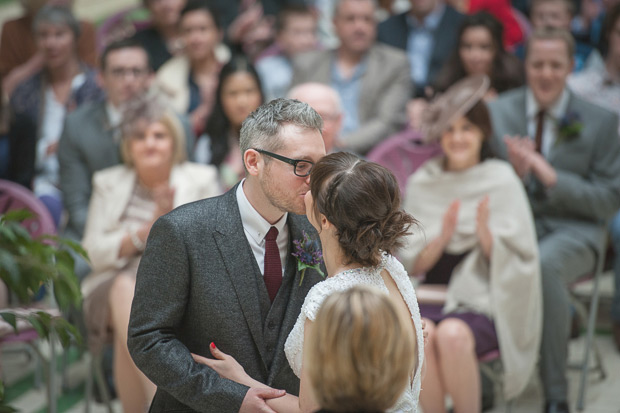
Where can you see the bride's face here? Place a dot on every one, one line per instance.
(309, 201)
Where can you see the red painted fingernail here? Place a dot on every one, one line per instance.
(213, 345)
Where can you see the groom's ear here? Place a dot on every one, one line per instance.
(253, 161)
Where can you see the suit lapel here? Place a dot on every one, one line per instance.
(240, 264)
(369, 83)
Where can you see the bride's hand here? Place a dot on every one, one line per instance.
(226, 366)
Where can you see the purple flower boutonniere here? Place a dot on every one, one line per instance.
(308, 254)
(569, 127)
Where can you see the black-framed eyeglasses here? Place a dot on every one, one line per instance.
(302, 168)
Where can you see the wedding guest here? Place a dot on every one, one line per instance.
(90, 136)
(344, 343)
(480, 52)
(473, 254)
(230, 276)
(191, 78)
(428, 33)
(558, 14)
(570, 163)
(161, 39)
(354, 205)
(372, 79)
(500, 9)
(602, 86)
(40, 104)
(326, 101)
(20, 57)
(238, 94)
(295, 33)
(127, 199)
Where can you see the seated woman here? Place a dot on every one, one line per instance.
(238, 94)
(481, 52)
(343, 343)
(482, 288)
(40, 104)
(192, 78)
(126, 201)
(355, 207)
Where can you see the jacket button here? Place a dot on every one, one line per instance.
(271, 325)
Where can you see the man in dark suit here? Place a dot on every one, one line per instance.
(570, 163)
(208, 273)
(90, 137)
(428, 32)
(371, 79)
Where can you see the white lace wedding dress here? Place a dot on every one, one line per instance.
(293, 347)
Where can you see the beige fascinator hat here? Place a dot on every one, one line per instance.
(452, 104)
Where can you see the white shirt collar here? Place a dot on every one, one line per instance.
(557, 110)
(115, 116)
(254, 224)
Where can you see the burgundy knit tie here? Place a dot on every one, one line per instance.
(273, 266)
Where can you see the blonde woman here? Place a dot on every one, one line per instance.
(343, 343)
(127, 199)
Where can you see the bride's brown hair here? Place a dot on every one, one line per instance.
(362, 200)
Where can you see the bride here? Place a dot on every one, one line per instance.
(355, 207)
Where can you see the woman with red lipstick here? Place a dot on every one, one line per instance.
(127, 199)
(477, 252)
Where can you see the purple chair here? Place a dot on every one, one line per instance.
(14, 196)
(403, 154)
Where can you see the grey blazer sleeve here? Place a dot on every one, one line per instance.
(388, 114)
(596, 196)
(156, 313)
(74, 177)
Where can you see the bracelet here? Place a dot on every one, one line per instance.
(136, 241)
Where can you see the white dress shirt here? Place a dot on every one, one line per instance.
(256, 228)
(553, 116)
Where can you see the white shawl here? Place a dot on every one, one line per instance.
(507, 288)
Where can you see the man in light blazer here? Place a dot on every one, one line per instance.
(205, 274)
(372, 79)
(570, 163)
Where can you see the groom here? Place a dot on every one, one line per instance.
(220, 270)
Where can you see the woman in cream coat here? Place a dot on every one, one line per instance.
(127, 199)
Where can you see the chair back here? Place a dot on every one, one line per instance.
(403, 154)
(14, 196)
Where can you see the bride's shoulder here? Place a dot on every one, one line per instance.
(316, 296)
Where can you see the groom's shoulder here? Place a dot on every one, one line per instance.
(206, 211)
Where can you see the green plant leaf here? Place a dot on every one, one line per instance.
(10, 318)
(18, 215)
(8, 265)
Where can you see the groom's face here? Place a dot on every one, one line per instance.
(284, 189)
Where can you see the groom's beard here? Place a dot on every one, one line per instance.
(282, 197)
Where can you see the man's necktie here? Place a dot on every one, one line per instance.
(273, 265)
(540, 123)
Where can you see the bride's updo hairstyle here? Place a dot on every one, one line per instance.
(362, 200)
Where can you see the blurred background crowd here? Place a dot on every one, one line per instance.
(113, 123)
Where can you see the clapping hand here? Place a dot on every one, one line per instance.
(482, 227)
(164, 199)
(524, 158)
(520, 152)
(450, 219)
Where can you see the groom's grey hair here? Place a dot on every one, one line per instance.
(261, 130)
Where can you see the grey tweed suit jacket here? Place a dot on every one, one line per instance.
(198, 283)
(587, 192)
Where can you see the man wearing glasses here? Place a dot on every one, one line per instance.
(221, 271)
